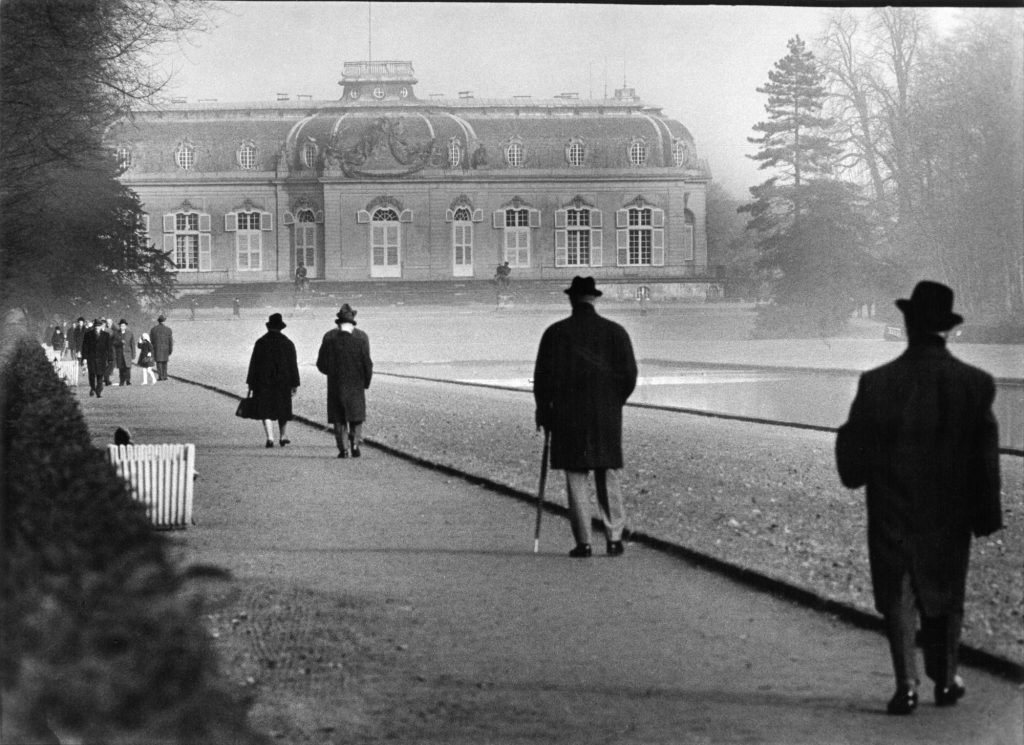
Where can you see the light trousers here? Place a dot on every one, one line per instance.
(609, 502)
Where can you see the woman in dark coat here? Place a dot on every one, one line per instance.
(273, 378)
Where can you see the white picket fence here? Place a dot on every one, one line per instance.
(161, 477)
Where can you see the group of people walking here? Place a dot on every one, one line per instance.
(101, 346)
(344, 357)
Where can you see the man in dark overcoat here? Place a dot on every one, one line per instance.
(163, 344)
(584, 373)
(344, 358)
(124, 349)
(922, 437)
(75, 337)
(96, 350)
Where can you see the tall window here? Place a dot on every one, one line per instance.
(454, 153)
(517, 237)
(247, 156)
(462, 243)
(309, 155)
(679, 152)
(575, 154)
(688, 224)
(185, 156)
(640, 239)
(186, 241)
(305, 240)
(514, 154)
(124, 156)
(248, 242)
(385, 245)
(578, 237)
(637, 153)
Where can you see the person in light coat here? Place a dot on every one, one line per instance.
(922, 437)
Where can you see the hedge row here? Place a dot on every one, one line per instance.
(98, 641)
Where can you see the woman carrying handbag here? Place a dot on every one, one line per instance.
(273, 379)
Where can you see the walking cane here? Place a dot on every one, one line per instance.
(540, 490)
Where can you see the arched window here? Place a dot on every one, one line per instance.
(185, 156)
(514, 154)
(637, 153)
(454, 153)
(462, 242)
(574, 154)
(309, 155)
(679, 153)
(247, 156)
(385, 243)
(305, 240)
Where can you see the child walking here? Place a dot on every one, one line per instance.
(146, 360)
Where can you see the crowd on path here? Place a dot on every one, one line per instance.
(101, 347)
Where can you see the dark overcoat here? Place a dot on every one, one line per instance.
(163, 342)
(75, 337)
(96, 350)
(922, 437)
(273, 373)
(584, 373)
(124, 347)
(345, 359)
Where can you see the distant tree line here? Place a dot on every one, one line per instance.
(897, 155)
(72, 235)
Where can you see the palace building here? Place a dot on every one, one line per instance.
(384, 184)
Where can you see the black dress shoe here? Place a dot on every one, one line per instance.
(949, 695)
(615, 548)
(270, 443)
(582, 551)
(904, 701)
(342, 453)
(285, 442)
(355, 452)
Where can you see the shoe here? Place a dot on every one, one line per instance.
(949, 695)
(904, 701)
(285, 442)
(582, 551)
(92, 392)
(270, 443)
(355, 452)
(615, 548)
(342, 453)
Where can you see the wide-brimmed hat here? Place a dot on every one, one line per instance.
(97, 322)
(161, 318)
(122, 321)
(276, 322)
(930, 306)
(583, 286)
(347, 314)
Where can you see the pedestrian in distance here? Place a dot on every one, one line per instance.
(192, 305)
(922, 437)
(57, 341)
(273, 379)
(108, 371)
(124, 349)
(236, 308)
(75, 337)
(146, 362)
(344, 357)
(96, 350)
(585, 372)
(163, 344)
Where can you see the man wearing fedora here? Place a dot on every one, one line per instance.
(163, 344)
(584, 373)
(96, 350)
(921, 436)
(344, 357)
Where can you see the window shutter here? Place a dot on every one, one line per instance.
(622, 246)
(169, 245)
(362, 216)
(657, 218)
(204, 222)
(657, 247)
(169, 223)
(560, 219)
(205, 252)
(288, 218)
(534, 218)
(406, 216)
(595, 219)
(449, 216)
(498, 219)
(688, 243)
(561, 244)
(596, 248)
(478, 215)
(145, 223)
(621, 218)
(266, 221)
(230, 222)
(319, 217)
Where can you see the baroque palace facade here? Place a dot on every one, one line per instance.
(381, 184)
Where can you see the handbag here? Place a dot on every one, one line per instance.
(247, 408)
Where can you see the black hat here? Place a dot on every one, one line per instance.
(276, 322)
(347, 314)
(122, 321)
(161, 318)
(583, 286)
(81, 318)
(930, 306)
(97, 322)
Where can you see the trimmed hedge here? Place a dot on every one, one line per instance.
(97, 638)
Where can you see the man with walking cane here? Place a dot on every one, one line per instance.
(585, 372)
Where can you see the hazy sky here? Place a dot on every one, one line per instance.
(700, 63)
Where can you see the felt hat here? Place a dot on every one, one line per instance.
(276, 322)
(347, 314)
(930, 306)
(122, 321)
(97, 322)
(583, 286)
(161, 318)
